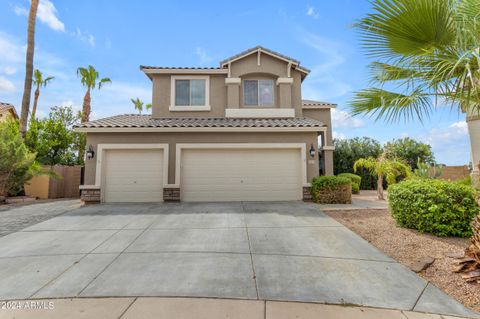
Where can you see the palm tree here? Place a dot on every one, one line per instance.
(428, 51)
(39, 81)
(138, 104)
(383, 167)
(91, 80)
(27, 89)
(89, 77)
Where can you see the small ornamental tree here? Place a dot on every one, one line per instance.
(17, 162)
(383, 167)
(53, 138)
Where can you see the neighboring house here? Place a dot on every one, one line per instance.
(7, 111)
(239, 132)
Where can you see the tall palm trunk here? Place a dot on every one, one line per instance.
(86, 107)
(85, 118)
(380, 187)
(35, 101)
(27, 90)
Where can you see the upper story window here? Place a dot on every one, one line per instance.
(258, 92)
(189, 93)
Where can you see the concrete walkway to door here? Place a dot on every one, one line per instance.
(286, 251)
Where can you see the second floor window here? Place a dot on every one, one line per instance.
(258, 92)
(190, 92)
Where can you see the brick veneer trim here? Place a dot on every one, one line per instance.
(171, 194)
(307, 195)
(90, 196)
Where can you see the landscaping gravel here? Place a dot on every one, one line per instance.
(410, 246)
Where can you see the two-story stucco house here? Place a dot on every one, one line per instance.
(239, 132)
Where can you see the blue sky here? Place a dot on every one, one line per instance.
(117, 36)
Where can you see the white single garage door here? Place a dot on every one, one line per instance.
(241, 175)
(133, 175)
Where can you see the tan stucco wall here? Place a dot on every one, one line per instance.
(172, 138)
(324, 115)
(161, 98)
(246, 68)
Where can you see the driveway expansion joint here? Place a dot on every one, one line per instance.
(250, 249)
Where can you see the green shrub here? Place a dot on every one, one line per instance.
(331, 190)
(17, 163)
(467, 181)
(356, 180)
(355, 188)
(435, 206)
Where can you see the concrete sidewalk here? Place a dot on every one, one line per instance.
(195, 308)
(365, 200)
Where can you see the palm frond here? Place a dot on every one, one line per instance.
(391, 106)
(385, 72)
(402, 28)
(369, 163)
(103, 82)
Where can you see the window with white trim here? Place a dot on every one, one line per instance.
(189, 93)
(258, 92)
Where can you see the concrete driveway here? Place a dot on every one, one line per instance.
(270, 251)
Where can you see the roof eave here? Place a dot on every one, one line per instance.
(196, 129)
(151, 71)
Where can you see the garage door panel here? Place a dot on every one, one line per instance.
(133, 175)
(241, 174)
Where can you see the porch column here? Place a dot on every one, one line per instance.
(473, 123)
(233, 92)
(285, 92)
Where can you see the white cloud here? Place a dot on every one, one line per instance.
(442, 136)
(202, 55)
(46, 13)
(20, 11)
(85, 37)
(311, 12)
(339, 135)
(6, 85)
(449, 144)
(342, 119)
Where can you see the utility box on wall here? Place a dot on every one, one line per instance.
(48, 187)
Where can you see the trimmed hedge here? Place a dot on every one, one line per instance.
(435, 206)
(331, 190)
(356, 180)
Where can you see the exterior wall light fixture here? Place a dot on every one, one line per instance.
(90, 153)
(312, 151)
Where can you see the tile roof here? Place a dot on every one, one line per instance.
(139, 121)
(222, 63)
(6, 107)
(149, 67)
(316, 103)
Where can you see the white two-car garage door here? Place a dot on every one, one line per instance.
(241, 175)
(133, 175)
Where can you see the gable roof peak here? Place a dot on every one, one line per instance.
(262, 49)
